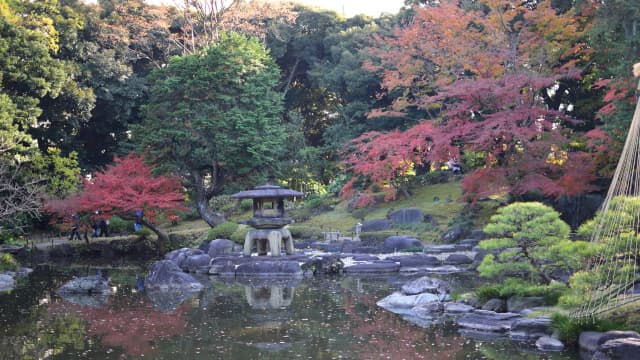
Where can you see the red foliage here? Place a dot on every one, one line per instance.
(489, 69)
(123, 188)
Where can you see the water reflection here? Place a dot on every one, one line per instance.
(317, 318)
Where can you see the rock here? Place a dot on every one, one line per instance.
(362, 257)
(425, 284)
(457, 308)
(519, 303)
(488, 321)
(407, 216)
(324, 264)
(478, 234)
(219, 247)
(400, 243)
(376, 225)
(165, 274)
(497, 305)
(439, 249)
(197, 263)
(547, 343)
(469, 242)
(589, 340)
(179, 256)
(94, 284)
(457, 259)
(530, 328)
(381, 266)
(399, 303)
(223, 268)
(452, 235)
(6, 282)
(415, 260)
(612, 335)
(23, 271)
(269, 269)
(621, 348)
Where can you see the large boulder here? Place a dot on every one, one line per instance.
(457, 259)
(165, 274)
(530, 328)
(619, 349)
(197, 263)
(179, 256)
(519, 303)
(425, 284)
(398, 301)
(497, 305)
(219, 247)
(407, 216)
(269, 269)
(381, 266)
(6, 282)
(401, 242)
(453, 234)
(376, 225)
(94, 284)
(415, 260)
(589, 340)
(548, 343)
(488, 321)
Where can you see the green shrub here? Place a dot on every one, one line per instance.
(487, 292)
(117, 225)
(569, 329)
(301, 232)
(190, 215)
(240, 233)
(518, 287)
(144, 234)
(222, 231)
(8, 262)
(376, 237)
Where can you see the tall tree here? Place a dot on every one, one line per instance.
(215, 118)
(485, 71)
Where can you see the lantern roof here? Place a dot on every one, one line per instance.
(267, 191)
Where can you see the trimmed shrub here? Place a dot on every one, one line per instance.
(240, 233)
(222, 231)
(117, 225)
(301, 232)
(512, 287)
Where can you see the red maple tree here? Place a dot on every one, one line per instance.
(484, 77)
(125, 188)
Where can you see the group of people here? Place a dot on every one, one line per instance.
(99, 224)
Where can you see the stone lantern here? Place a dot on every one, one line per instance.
(268, 220)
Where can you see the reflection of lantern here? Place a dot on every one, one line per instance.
(269, 297)
(268, 219)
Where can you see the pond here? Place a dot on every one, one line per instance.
(315, 318)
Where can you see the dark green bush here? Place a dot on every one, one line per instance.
(239, 234)
(376, 237)
(246, 204)
(144, 234)
(512, 287)
(301, 232)
(569, 329)
(222, 231)
(117, 225)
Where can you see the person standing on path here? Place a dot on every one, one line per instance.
(75, 226)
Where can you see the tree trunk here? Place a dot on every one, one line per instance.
(203, 195)
(162, 236)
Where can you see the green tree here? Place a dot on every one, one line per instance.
(533, 241)
(215, 118)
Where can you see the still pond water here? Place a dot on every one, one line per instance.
(316, 318)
